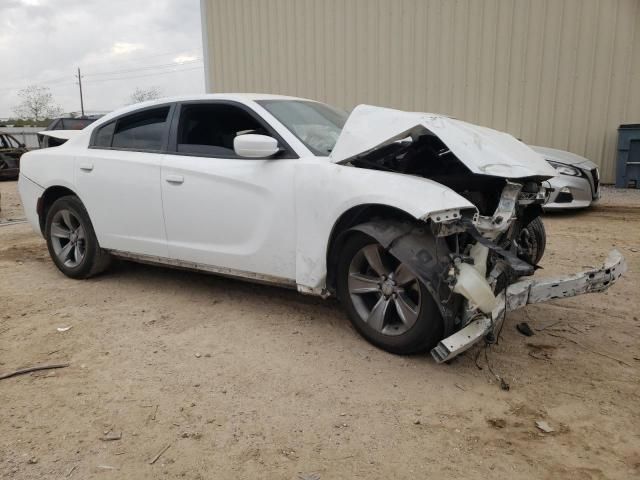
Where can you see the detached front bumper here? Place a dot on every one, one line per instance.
(526, 292)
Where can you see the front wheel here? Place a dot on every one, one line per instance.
(71, 241)
(386, 303)
(532, 241)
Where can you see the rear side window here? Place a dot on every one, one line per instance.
(141, 131)
(104, 135)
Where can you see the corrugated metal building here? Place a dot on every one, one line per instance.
(559, 73)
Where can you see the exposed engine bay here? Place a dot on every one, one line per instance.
(504, 211)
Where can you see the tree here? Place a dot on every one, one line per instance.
(36, 103)
(144, 94)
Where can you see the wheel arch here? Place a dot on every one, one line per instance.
(348, 219)
(48, 197)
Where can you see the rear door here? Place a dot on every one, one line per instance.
(118, 179)
(222, 210)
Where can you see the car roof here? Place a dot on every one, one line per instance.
(229, 96)
(238, 97)
(241, 97)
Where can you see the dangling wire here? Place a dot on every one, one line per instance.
(503, 383)
(492, 340)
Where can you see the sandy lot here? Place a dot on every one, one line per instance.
(246, 381)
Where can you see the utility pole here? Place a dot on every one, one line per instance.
(80, 85)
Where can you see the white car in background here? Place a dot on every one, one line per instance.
(426, 228)
(577, 183)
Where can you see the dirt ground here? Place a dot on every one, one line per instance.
(244, 381)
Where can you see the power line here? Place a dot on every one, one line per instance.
(145, 75)
(59, 80)
(135, 59)
(109, 75)
(56, 82)
(116, 62)
(148, 67)
(51, 80)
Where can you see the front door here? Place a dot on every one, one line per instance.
(222, 210)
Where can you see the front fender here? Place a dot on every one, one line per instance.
(325, 191)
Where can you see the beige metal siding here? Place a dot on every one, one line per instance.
(559, 73)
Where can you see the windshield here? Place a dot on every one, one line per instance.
(315, 124)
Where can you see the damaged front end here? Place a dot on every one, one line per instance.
(525, 292)
(476, 263)
(478, 273)
(494, 273)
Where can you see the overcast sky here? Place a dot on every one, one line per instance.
(118, 44)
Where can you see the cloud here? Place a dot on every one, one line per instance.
(118, 45)
(124, 48)
(185, 58)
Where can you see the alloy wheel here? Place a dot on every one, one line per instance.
(68, 238)
(384, 292)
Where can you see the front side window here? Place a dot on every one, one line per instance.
(209, 128)
(141, 130)
(315, 124)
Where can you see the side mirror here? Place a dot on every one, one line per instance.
(255, 146)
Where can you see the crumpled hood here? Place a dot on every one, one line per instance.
(483, 150)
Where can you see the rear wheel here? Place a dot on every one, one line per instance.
(386, 303)
(71, 241)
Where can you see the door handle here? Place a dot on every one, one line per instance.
(176, 179)
(86, 167)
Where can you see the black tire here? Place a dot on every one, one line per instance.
(94, 260)
(425, 333)
(532, 241)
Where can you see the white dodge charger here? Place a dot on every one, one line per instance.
(426, 228)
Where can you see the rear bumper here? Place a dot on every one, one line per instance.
(526, 292)
(30, 192)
